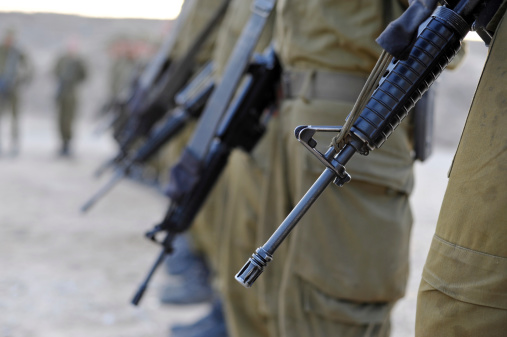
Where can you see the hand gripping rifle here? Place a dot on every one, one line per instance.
(191, 102)
(150, 103)
(192, 179)
(398, 90)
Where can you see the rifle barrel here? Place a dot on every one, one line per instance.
(104, 190)
(167, 248)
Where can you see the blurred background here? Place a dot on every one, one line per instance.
(67, 274)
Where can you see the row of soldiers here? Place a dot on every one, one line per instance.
(342, 270)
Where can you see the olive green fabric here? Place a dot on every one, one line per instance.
(122, 71)
(207, 227)
(69, 72)
(252, 197)
(348, 256)
(14, 71)
(235, 19)
(352, 247)
(201, 12)
(209, 223)
(464, 286)
(339, 36)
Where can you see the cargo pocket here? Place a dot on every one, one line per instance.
(348, 312)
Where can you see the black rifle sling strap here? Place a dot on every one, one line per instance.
(181, 69)
(236, 66)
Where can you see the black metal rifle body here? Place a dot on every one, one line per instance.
(151, 105)
(192, 104)
(398, 91)
(242, 127)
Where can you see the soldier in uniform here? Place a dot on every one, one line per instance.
(207, 230)
(463, 291)
(345, 266)
(14, 70)
(124, 70)
(69, 72)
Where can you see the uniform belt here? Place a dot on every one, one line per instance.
(322, 85)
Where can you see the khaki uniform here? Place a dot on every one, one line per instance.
(210, 220)
(206, 231)
(124, 70)
(464, 283)
(14, 70)
(346, 264)
(69, 72)
(200, 13)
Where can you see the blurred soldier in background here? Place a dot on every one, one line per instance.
(124, 70)
(69, 71)
(14, 70)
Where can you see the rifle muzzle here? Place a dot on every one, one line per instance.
(253, 268)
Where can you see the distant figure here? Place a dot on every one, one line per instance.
(124, 71)
(14, 70)
(69, 71)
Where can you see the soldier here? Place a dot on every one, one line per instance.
(124, 70)
(69, 72)
(463, 291)
(14, 70)
(207, 229)
(346, 264)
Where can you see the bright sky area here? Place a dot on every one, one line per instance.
(146, 9)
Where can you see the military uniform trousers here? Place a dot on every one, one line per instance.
(346, 264)
(463, 291)
(248, 220)
(10, 104)
(66, 105)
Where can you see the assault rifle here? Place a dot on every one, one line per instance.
(403, 84)
(150, 103)
(232, 118)
(192, 178)
(191, 101)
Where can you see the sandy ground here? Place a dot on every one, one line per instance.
(66, 274)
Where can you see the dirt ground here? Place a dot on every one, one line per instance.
(68, 274)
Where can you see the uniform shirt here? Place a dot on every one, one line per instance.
(332, 35)
(200, 14)
(13, 69)
(69, 71)
(238, 13)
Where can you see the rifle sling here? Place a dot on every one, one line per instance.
(236, 66)
(179, 71)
